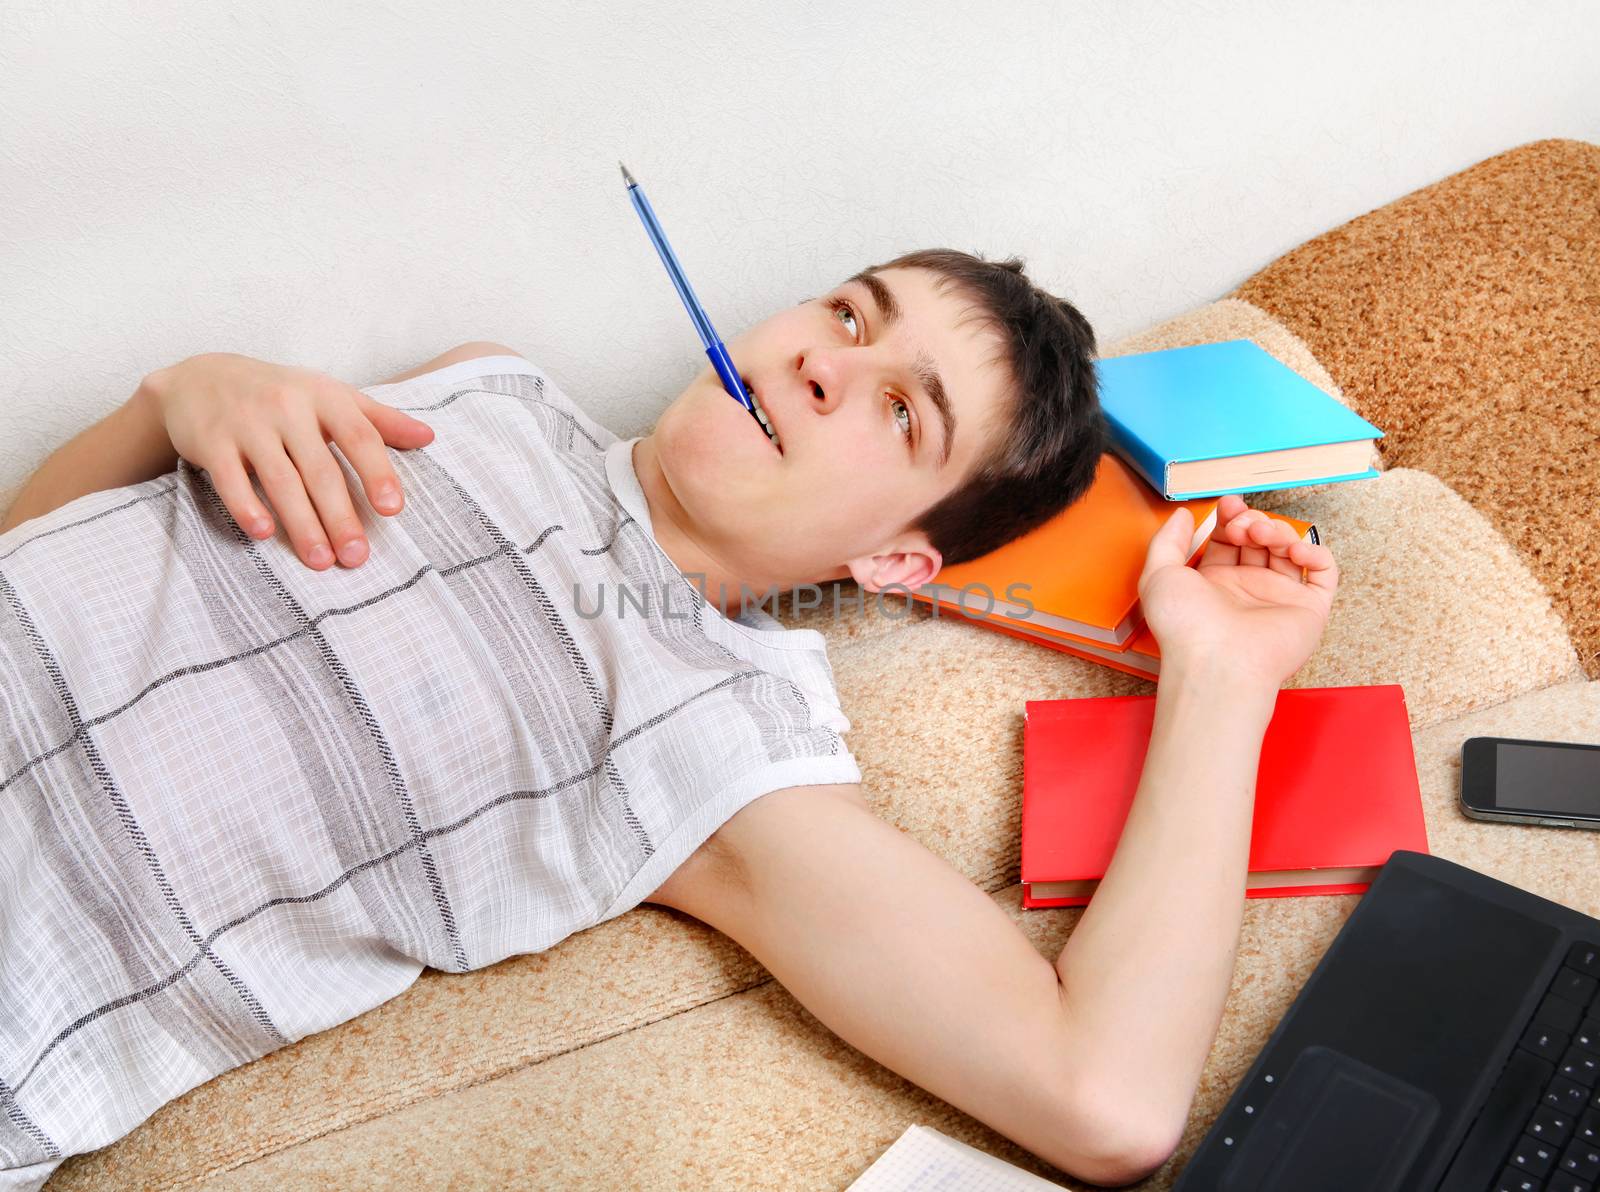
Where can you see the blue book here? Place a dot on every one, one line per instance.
(1228, 418)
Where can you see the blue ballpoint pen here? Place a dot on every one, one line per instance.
(720, 360)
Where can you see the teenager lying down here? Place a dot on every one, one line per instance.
(246, 794)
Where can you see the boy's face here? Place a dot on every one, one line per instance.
(848, 382)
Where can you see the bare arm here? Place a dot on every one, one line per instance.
(127, 446)
(1090, 1063)
(1147, 969)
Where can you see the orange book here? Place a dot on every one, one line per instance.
(1076, 576)
(1140, 655)
(1136, 653)
(1336, 791)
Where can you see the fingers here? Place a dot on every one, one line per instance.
(397, 428)
(285, 489)
(1245, 532)
(1251, 538)
(1231, 542)
(1260, 533)
(320, 515)
(324, 480)
(233, 485)
(1233, 519)
(1279, 560)
(1230, 507)
(1253, 533)
(1321, 570)
(233, 416)
(1291, 555)
(1169, 544)
(363, 445)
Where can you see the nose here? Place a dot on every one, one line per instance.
(822, 371)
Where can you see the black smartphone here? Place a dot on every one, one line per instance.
(1554, 783)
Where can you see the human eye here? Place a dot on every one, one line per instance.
(842, 306)
(906, 428)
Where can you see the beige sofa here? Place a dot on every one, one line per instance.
(650, 1052)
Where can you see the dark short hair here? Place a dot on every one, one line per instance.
(1047, 441)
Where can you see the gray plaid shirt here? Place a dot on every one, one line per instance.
(242, 801)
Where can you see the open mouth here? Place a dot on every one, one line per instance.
(765, 422)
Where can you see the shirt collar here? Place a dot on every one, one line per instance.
(625, 484)
(629, 492)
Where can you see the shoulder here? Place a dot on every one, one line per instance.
(472, 350)
(721, 874)
(479, 347)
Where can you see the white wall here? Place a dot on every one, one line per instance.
(355, 187)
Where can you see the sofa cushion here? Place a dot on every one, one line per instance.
(936, 708)
(752, 1091)
(649, 1051)
(1463, 320)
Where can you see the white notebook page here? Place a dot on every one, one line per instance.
(924, 1160)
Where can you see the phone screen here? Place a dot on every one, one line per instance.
(1547, 778)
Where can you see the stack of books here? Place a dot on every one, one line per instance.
(1073, 584)
(1187, 425)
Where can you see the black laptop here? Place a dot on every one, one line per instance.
(1449, 1041)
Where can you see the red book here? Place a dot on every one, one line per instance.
(1336, 791)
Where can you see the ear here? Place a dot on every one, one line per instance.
(911, 562)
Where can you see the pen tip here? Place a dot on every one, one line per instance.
(627, 177)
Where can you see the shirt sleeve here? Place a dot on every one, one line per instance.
(816, 755)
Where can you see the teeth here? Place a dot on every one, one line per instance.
(761, 414)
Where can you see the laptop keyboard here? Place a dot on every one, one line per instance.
(1550, 1091)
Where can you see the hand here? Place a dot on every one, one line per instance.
(232, 414)
(1246, 606)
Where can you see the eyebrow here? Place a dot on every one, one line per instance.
(923, 367)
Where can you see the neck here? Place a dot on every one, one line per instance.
(725, 583)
